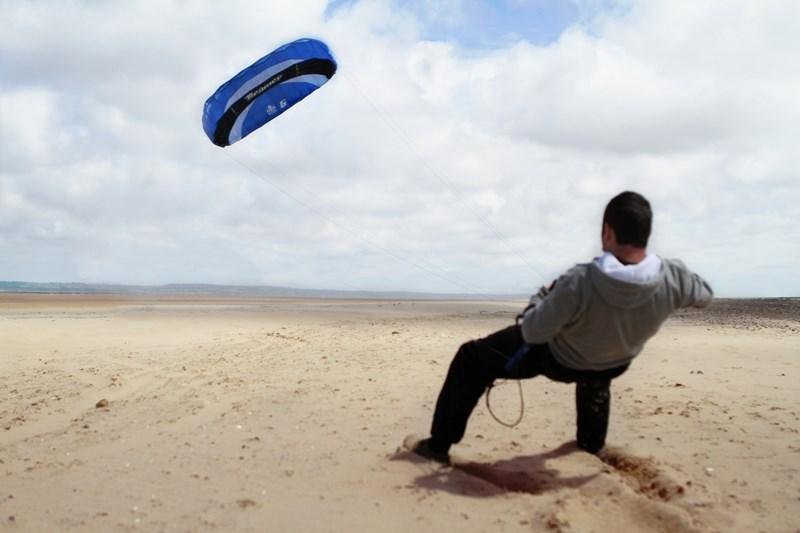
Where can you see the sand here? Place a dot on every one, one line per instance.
(288, 415)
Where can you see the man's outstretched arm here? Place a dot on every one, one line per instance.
(694, 290)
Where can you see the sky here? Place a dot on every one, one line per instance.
(461, 147)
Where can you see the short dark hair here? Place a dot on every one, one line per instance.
(631, 218)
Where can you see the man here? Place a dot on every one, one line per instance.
(586, 329)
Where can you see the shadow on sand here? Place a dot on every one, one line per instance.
(527, 473)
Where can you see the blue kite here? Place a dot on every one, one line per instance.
(266, 89)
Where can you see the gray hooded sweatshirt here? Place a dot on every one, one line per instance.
(600, 314)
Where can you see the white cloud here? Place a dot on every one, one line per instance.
(405, 168)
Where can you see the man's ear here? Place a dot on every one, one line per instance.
(608, 235)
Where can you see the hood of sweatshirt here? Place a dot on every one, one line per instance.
(626, 286)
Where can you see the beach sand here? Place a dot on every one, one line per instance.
(288, 415)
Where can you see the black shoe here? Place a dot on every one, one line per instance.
(424, 449)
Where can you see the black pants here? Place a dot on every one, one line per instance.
(478, 363)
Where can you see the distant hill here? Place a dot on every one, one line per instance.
(243, 291)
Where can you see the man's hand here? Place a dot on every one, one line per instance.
(536, 299)
(541, 294)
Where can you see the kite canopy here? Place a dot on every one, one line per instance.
(266, 89)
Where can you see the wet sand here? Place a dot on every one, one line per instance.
(288, 415)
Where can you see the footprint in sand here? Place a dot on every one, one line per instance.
(642, 474)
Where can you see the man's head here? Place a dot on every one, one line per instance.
(627, 221)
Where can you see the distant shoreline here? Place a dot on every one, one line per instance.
(232, 291)
(259, 291)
